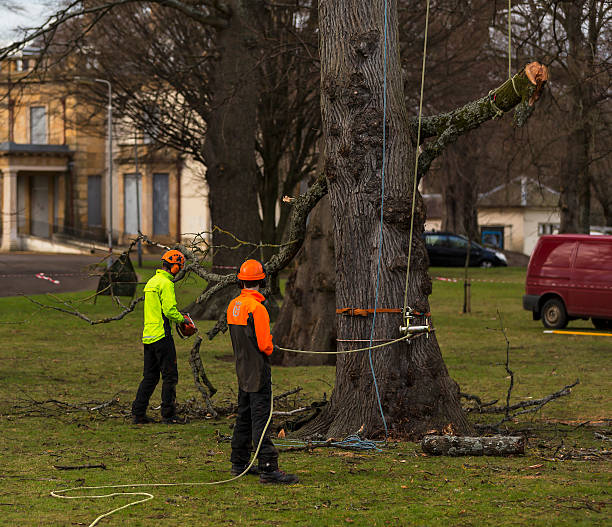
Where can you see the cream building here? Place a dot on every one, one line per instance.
(54, 192)
(511, 216)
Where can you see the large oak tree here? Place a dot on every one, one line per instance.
(360, 75)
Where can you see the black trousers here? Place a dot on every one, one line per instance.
(159, 357)
(253, 413)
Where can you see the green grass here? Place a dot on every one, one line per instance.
(47, 355)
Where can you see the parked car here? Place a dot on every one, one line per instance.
(449, 250)
(570, 276)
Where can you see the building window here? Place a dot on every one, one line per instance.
(22, 64)
(94, 201)
(38, 125)
(548, 228)
(160, 204)
(492, 236)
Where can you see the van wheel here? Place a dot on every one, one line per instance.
(553, 314)
(602, 323)
(486, 264)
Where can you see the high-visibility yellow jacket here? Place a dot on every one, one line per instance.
(159, 307)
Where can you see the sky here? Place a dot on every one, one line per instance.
(31, 14)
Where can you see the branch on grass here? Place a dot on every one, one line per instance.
(79, 467)
(479, 404)
(311, 446)
(35, 407)
(507, 366)
(511, 411)
(533, 404)
(287, 394)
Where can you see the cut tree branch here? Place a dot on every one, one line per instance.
(199, 374)
(520, 92)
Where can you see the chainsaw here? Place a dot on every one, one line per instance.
(186, 328)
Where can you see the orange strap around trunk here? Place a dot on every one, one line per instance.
(354, 311)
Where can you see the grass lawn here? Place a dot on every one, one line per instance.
(52, 357)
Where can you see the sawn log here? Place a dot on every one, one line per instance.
(473, 446)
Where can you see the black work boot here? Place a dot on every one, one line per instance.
(142, 420)
(174, 420)
(239, 469)
(278, 477)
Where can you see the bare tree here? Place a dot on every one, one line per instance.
(574, 37)
(232, 84)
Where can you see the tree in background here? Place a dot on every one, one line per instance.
(575, 37)
(232, 84)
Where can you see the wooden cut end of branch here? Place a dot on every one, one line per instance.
(538, 75)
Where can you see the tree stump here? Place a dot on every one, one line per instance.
(473, 446)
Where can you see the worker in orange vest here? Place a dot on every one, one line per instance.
(249, 325)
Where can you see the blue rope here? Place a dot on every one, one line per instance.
(380, 232)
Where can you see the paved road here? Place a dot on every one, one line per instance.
(18, 273)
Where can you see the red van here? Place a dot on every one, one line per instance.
(569, 277)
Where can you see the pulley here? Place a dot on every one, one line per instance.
(408, 328)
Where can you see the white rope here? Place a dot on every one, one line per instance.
(347, 351)
(148, 496)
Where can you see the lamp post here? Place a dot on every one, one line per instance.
(109, 199)
(137, 195)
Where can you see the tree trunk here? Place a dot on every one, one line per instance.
(229, 151)
(416, 391)
(575, 199)
(473, 446)
(307, 318)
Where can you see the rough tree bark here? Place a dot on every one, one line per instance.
(229, 152)
(307, 319)
(416, 392)
(415, 388)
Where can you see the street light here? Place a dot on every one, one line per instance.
(109, 204)
(137, 195)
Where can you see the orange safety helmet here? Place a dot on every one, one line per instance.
(251, 270)
(175, 259)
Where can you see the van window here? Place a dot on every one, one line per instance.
(594, 256)
(559, 255)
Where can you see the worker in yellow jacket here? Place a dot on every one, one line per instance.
(159, 351)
